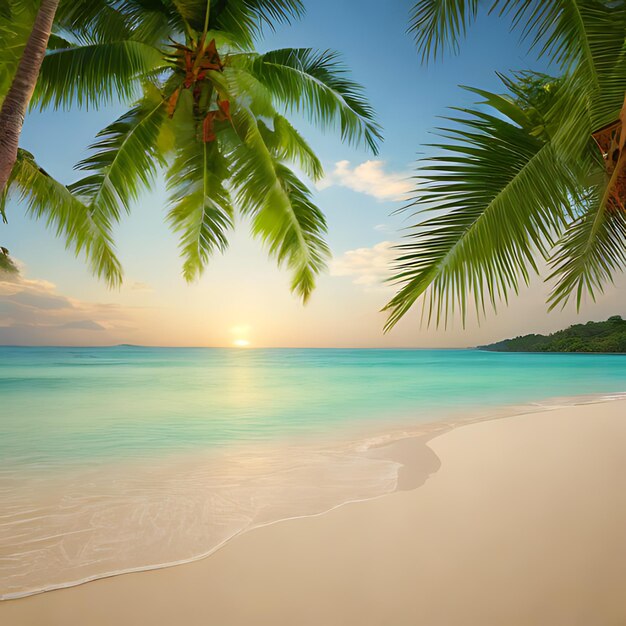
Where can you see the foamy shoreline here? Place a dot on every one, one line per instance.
(417, 473)
(384, 468)
(380, 473)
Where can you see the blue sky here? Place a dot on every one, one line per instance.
(242, 293)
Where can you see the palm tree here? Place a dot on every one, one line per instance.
(15, 101)
(27, 32)
(211, 113)
(534, 176)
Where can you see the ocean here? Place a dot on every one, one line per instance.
(128, 458)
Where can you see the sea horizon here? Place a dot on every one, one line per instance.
(478, 348)
(231, 347)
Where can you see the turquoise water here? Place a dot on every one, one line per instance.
(123, 459)
(64, 405)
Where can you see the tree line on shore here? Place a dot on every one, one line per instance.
(607, 336)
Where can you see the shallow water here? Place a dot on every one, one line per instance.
(114, 459)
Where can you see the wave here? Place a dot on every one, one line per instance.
(62, 529)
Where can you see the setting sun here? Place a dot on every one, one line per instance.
(241, 343)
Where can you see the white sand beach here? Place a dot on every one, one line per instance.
(516, 521)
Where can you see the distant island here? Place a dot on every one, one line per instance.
(608, 336)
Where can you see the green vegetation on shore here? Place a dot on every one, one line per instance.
(609, 336)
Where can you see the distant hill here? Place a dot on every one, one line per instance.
(609, 336)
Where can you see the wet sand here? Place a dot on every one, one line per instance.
(516, 521)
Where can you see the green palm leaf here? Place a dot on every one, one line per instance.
(293, 228)
(593, 93)
(280, 206)
(201, 210)
(584, 37)
(15, 27)
(93, 21)
(156, 21)
(502, 197)
(564, 30)
(439, 24)
(95, 74)
(125, 159)
(589, 253)
(241, 84)
(287, 144)
(83, 229)
(561, 190)
(244, 19)
(6, 10)
(316, 84)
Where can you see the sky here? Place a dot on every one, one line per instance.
(243, 298)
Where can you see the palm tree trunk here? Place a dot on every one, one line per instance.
(18, 97)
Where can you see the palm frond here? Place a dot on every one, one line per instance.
(152, 21)
(56, 42)
(96, 74)
(94, 21)
(244, 19)
(502, 197)
(293, 228)
(439, 24)
(273, 12)
(84, 229)
(125, 159)
(6, 11)
(14, 32)
(592, 92)
(569, 32)
(316, 84)
(191, 13)
(246, 87)
(287, 144)
(280, 206)
(590, 252)
(201, 210)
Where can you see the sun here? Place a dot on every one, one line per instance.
(239, 335)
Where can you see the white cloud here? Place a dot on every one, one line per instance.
(370, 178)
(367, 266)
(32, 311)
